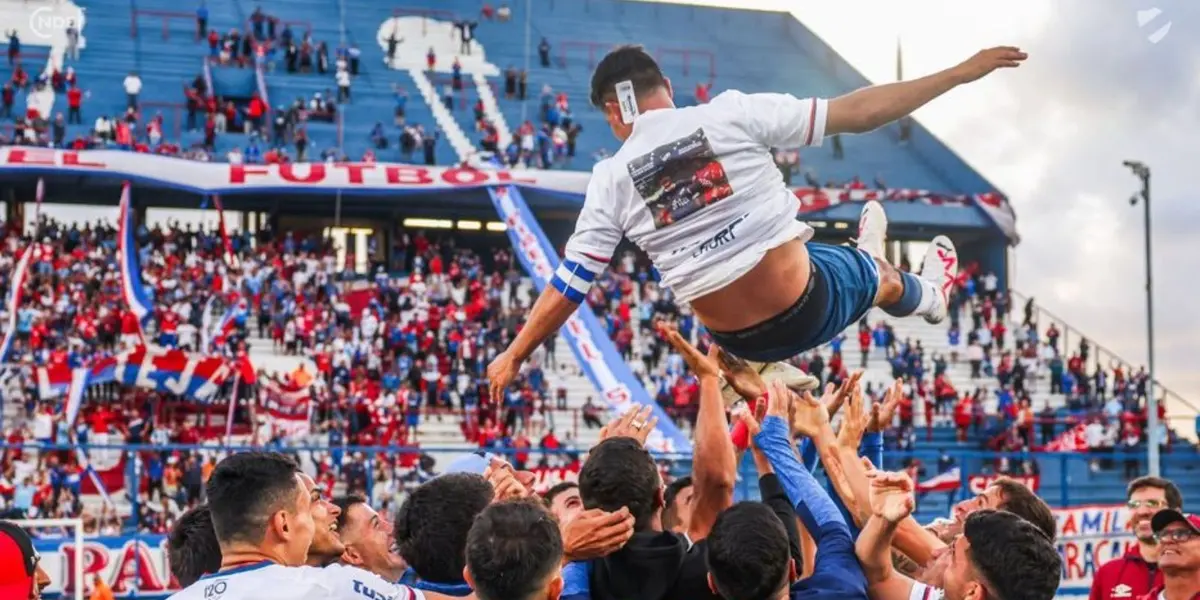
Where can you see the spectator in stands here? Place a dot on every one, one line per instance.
(430, 59)
(343, 83)
(7, 97)
(504, 12)
(466, 34)
(544, 52)
(1179, 536)
(393, 40)
(14, 47)
(201, 20)
(1136, 572)
(133, 87)
(72, 41)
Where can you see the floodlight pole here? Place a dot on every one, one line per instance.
(1152, 454)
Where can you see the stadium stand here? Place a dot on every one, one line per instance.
(390, 359)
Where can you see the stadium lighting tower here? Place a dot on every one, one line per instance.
(1142, 172)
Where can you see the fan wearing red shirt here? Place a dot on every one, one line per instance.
(1136, 573)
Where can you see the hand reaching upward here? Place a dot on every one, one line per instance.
(891, 495)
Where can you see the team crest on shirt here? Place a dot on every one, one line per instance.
(679, 178)
(1121, 591)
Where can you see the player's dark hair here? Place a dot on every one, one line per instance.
(670, 514)
(748, 552)
(513, 549)
(620, 472)
(625, 63)
(432, 525)
(1014, 557)
(558, 488)
(344, 503)
(1021, 501)
(192, 547)
(245, 489)
(1170, 490)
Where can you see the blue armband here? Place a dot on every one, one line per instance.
(572, 280)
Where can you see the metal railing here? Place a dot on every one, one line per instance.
(1098, 350)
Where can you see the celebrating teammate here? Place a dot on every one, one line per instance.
(764, 292)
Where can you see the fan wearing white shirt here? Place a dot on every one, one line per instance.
(698, 190)
(133, 87)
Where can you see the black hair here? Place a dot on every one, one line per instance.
(245, 489)
(432, 525)
(625, 63)
(748, 552)
(1170, 490)
(1015, 558)
(620, 472)
(344, 503)
(512, 550)
(192, 547)
(670, 517)
(558, 488)
(1021, 501)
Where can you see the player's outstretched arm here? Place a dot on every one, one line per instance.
(873, 107)
(549, 313)
(891, 503)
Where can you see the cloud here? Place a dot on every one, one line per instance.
(1053, 135)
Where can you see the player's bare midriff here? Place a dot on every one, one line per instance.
(771, 287)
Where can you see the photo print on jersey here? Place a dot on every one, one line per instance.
(680, 178)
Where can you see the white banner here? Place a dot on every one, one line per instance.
(225, 178)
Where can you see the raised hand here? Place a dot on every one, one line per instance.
(891, 495)
(636, 423)
(836, 401)
(809, 416)
(986, 61)
(500, 373)
(854, 421)
(881, 414)
(741, 376)
(700, 364)
(505, 481)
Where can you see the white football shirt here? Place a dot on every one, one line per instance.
(697, 189)
(271, 581)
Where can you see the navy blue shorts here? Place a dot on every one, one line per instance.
(841, 289)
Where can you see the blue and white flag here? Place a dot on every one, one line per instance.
(131, 276)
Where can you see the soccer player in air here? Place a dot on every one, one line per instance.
(767, 293)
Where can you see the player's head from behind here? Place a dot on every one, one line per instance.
(626, 83)
(369, 538)
(563, 500)
(192, 546)
(1001, 556)
(618, 473)
(748, 555)
(1145, 497)
(677, 505)
(515, 552)
(327, 546)
(1014, 497)
(432, 525)
(261, 508)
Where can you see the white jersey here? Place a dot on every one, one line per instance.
(270, 581)
(698, 190)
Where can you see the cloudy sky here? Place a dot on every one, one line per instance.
(1095, 91)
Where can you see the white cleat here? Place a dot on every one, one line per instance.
(872, 230)
(792, 377)
(940, 268)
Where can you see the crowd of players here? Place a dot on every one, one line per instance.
(479, 531)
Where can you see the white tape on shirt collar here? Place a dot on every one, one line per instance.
(627, 100)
